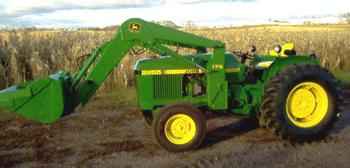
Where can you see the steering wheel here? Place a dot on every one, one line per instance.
(244, 56)
(249, 55)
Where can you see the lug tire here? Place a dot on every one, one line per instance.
(273, 110)
(166, 113)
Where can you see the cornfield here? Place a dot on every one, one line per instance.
(31, 54)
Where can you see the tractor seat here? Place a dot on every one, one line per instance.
(286, 50)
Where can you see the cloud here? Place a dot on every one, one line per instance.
(99, 13)
(206, 1)
(15, 8)
(20, 13)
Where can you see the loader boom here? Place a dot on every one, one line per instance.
(157, 38)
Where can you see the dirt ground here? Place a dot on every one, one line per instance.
(120, 138)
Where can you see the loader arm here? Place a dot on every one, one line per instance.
(157, 38)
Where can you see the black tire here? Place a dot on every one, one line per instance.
(166, 113)
(273, 114)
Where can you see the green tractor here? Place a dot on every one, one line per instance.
(290, 94)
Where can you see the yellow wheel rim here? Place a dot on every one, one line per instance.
(307, 104)
(180, 129)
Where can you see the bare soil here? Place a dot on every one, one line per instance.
(107, 137)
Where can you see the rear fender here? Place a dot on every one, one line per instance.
(280, 63)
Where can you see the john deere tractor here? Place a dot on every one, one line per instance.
(288, 93)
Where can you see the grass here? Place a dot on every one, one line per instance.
(5, 116)
(122, 96)
(343, 76)
(116, 99)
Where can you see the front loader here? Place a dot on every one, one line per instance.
(288, 93)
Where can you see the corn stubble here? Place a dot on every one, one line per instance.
(31, 54)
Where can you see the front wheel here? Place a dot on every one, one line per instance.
(179, 127)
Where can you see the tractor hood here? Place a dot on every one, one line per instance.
(190, 62)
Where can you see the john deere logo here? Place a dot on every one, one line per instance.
(134, 27)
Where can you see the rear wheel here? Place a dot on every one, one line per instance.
(179, 127)
(301, 103)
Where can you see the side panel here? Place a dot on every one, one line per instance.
(145, 89)
(216, 80)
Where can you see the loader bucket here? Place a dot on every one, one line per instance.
(40, 100)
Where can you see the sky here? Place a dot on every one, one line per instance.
(101, 13)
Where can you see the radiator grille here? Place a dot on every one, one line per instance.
(167, 86)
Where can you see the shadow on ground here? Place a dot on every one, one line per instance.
(229, 131)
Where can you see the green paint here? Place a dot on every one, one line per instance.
(41, 100)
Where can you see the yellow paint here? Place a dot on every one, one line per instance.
(181, 71)
(151, 72)
(180, 129)
(287, 46)
(134, 27)
(307, 104)
(264, 65)
(229, 70)
(217, 66)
